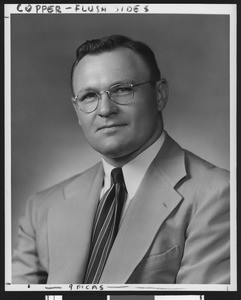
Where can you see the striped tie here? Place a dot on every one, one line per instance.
(106, 226)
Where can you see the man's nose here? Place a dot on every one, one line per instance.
(106, 106)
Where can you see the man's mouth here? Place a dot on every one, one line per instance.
(109, 127)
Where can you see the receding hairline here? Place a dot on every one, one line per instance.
(109, 51)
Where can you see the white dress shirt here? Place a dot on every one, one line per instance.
(133, 171)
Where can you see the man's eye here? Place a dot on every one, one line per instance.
(122, 90)
(87, 97)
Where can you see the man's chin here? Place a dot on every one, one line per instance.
(113, 153)
(118, 157)
(112, 148)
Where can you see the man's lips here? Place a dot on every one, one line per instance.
(110, 126)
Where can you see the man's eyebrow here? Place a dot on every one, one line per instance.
(91, 88)
(122, 81)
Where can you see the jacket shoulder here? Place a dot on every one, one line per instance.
(55, 194)
(204, 171)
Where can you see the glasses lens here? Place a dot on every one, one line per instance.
(87, 101)
(122, 93)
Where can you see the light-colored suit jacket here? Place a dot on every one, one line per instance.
(176, 229)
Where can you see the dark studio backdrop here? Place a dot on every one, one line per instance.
(47, 142)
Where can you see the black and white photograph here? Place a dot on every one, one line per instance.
(120, 136)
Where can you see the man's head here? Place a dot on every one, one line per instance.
(127, 120)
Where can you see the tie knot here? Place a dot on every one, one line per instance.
(117, 175)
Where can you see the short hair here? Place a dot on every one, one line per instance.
(109, 43)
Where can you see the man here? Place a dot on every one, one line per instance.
(163, 218)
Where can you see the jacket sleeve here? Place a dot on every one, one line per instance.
(206, 258)
(26, 266)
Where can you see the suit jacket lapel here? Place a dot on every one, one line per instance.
(70, 225)
(153, 202)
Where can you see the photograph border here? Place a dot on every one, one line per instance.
(157, 8)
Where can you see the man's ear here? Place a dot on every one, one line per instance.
(162, 93)
(77, 111)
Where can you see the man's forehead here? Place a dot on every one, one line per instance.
(119, 56)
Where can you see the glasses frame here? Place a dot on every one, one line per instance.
(108, 92)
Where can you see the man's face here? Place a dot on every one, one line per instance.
(118, 131)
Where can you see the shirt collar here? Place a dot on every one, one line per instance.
(135, 170)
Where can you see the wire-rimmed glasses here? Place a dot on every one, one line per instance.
(121, 93)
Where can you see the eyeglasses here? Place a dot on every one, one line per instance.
(121, 93)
